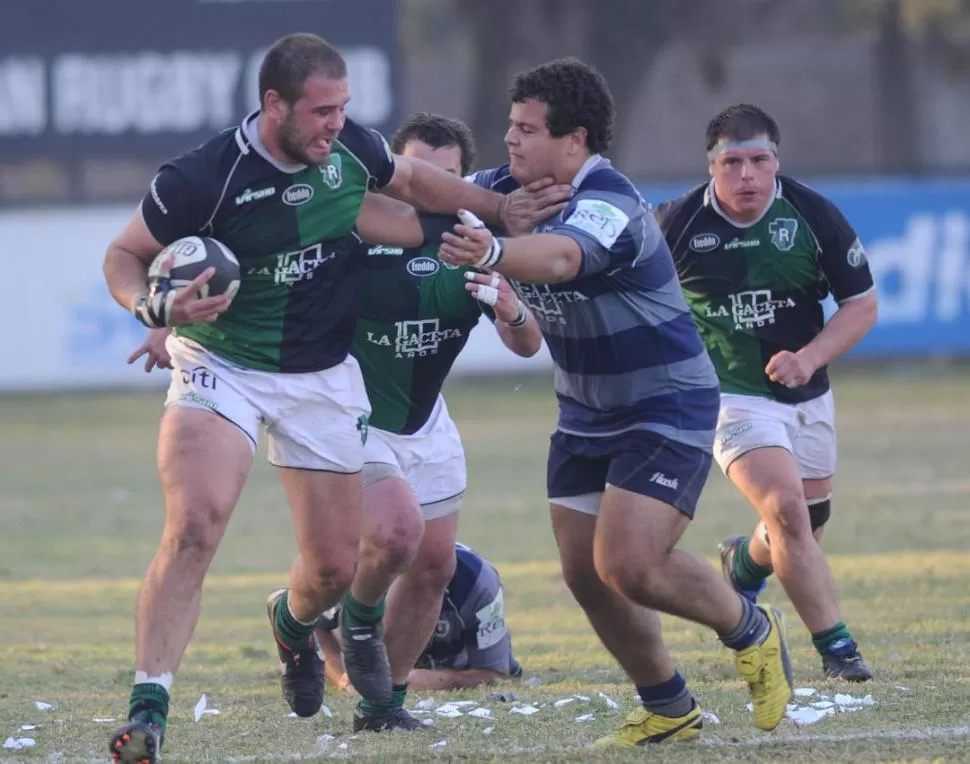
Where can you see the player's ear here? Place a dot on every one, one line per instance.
(274, 105)
(577, 140)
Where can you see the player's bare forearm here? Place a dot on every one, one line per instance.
(522, 340)
(126, 275)
(434, 190)
(383, 220)
(127, 260)
(451, 679)
(850, 323)
(545, 258)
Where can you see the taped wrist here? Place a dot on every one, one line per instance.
(521, 318)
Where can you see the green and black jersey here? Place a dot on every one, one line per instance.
(756, 289)
(414, 320)
(290, 227)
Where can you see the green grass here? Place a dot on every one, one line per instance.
(80, 515)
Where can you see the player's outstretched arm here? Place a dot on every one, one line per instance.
(432, 189)
(383, 220)
(544, 258)
(127, 259)
(425, 680)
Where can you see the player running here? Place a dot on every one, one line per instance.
(638, 401)
(282, 191)
(470, 644)
(756, 253)
(415, 318)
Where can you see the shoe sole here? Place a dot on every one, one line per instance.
(136, 746)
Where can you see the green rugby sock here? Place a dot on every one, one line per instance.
(836, 637)
(747, 572)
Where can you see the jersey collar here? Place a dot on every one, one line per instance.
(247, 137)
(710, 200)
(593, 163)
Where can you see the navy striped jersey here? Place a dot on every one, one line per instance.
(471, 632)
(627, 353)
(756, 288)
(290, 226)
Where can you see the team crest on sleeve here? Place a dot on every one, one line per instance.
(599, 219)
(332, 172)
(856, 256)
(783, 232)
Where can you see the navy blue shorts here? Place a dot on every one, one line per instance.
(640, 461)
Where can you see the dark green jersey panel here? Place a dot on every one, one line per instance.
(292, 232)
(415, 319)
(756, 290)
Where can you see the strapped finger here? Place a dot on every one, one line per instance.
(487, 294)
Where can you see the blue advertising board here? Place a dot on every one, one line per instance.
(917, 238)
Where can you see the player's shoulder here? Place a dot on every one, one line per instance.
(498, 179)
(681, 208)
(370, 148)
(804, 198)
(210, 162)
(602, 178)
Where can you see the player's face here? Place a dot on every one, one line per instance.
(309, 127)
(448, 158)
(744, 179)
(533, 152)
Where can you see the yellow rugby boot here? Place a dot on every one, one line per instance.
(643, 727)
(767, 670)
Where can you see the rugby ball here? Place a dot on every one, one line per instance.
(193, 254)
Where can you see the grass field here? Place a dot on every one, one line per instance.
(80, 516)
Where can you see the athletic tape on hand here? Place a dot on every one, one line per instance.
(487, 294)
(495, 281)
(470, 219)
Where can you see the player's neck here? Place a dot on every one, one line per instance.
(267, 137)
(572, 167)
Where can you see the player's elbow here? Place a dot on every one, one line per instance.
(564, 265)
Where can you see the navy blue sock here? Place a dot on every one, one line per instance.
(670, 698)
(751, 629)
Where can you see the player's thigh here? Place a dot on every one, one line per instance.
(653, 487)
(746, 423)
(434, 464)
(769, 478)
(392, 519)
(575, 481)
(815, 442)
(318, 421)
(435, 561)
(206, 441)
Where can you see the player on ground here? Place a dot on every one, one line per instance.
(415, 318)
(638, 401)
(470, 644)
(282, 191)
(756, 253)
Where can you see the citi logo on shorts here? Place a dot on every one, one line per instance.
(667, 482)
(299, 194)
(200, 376)
(423, 267)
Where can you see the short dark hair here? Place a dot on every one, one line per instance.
(295, 58)
(577, 96)
(438, 132)
(741, 122)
